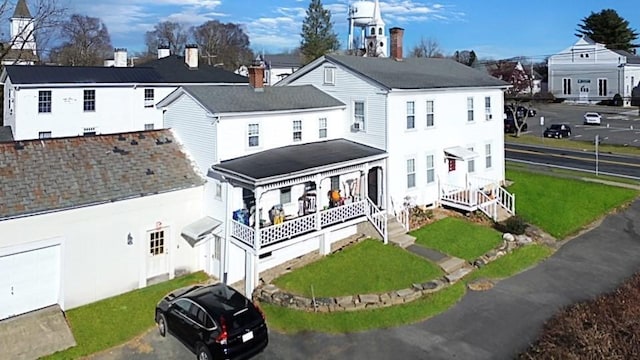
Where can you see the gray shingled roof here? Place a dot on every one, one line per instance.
(631, 58)
(229, 99)
(416, 73)
(56, 174)
(22, 11)
(283, 60)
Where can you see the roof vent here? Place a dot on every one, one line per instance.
(167, 141)
(159, 142)
(133, 142)
(121, 137)
(19, 145)
(141, 136)
(150, 172)
(117, 150)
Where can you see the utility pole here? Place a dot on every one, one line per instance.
(597, 141)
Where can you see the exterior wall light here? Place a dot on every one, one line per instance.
(129, 239)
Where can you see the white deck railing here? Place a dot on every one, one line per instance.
(287, 230)
(488, 205)
(378, 218)
(507, 200)
(242, 232)
(342, 213)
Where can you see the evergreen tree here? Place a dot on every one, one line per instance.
(318, 37)
(607, 27)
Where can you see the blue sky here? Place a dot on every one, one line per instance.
(493, 28)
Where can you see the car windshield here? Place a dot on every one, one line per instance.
(556, 127)
(591, 115)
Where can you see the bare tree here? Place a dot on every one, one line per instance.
(86, 42)
(223, 44)
(166, 33)
(465, 57)
(428, 48)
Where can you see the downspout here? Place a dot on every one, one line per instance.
(227, 237)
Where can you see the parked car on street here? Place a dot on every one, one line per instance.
(215, 322)
(592, 118)
(558, 131)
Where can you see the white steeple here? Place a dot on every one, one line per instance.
(22, 28)
(376, 38)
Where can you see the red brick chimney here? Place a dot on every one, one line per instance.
(396, 43)
(256, 75)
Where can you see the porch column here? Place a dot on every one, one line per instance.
(255, 273)
(385, 180)
(227, 232)
(251, 276)
(364, 182)
(318, 180)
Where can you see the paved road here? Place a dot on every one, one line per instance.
(495, 324)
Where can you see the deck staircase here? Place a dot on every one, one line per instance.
(491, 199)
(397, 234)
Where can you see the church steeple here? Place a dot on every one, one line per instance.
(23, 28)
(22, 11)
(376, 39)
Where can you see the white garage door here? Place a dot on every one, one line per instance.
(29, 280)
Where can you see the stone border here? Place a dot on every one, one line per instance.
(270, 293)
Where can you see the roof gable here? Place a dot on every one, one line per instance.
(57, 174)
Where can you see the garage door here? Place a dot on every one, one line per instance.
(29, 280)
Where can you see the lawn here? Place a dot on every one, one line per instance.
(512, 263)
(292, 321)
(364, 268)
(113, 321)
(457, 237)
(563, 206)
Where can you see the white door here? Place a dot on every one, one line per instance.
(29, 280)
(157, 257)
(216, 255)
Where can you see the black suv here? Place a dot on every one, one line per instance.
(558, 131)
(215, 322)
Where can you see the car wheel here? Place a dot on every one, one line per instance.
(162, 325)
(203, 353)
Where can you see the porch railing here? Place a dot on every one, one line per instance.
(242, 232)
(458, 196)
(488, 205)
(287, 230)
(377, 217)
(507, 200)
(342, 213)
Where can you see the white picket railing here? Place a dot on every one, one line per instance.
(342, 213)
(242, 232)
(403, 218)
(488, 205)
(287, 230)
(507, 200)
(378, 218)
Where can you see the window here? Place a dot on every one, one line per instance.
(431, 170)
(217, 248)
(602, 87)
(411, 115)
(89, 100)
(335, 182)
(148, 126)
(254, 135)
(329, 76)
(322, 128)
(218, 191)
(44, 101)
(411, 173)
(156, 242)
(430, 115)
(358, 115)
(469, 109)
(148, 98)
(471, 164)
(487, 107)
(566, 86)
(285, 195)
(487, 155)
(44, 135)
(297, 130)
(89, 131)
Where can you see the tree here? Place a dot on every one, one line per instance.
(318, 37)
(608, 28)
(86, 42)
(166, 33)
(223, 43)
(427, 48)
(465, 57)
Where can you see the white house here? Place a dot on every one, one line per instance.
(87, 218)
(279, 66)
(589, 72)
(22, 43)
(58, 101)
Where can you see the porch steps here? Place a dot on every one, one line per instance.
(454, 268)
(397, 234)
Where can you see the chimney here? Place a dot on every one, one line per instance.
(191, 56)
(120, 57)
(396, 43)
(163, 51)
(256, 75)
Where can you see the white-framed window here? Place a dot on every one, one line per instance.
(297, 130)
(322, 128)
(602, 87)
(329, 75)
(430, 113)
(89, 103)
(471, 163)
(487, 156)
(285, 195)
(334, 182)
(566, 86)
(218, 193)
(431, 169)
(487, 107)
(358, 115)
(44, 135)
(411, 173)
(148, 126)
(253, 135)
(148, 98)
(44, 101)
(156, 243)
(411, 115)
(469, 109)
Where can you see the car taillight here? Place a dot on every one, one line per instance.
(260, 310)
(223, 336)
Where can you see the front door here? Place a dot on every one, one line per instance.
(372, 186)
(157, 257)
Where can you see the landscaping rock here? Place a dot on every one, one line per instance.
(479, 263)
(269, 289)
(480, 285)
(369, 299)
(404, 292)
(430, 285)
(508, 237)
(302, 302)
(523, 240)
(457, 275)
(417, 287)
(322, 301)
(385, 299)
(344, 300)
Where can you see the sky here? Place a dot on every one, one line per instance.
(494, 29)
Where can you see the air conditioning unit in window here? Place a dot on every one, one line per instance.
(489, 116)
(355, 127)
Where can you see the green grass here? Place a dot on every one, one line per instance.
(458, 238)
(293, 321)
(113, 321)
(367, 267)
(562, 206)
(512, 263)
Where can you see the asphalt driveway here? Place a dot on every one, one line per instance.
(495, 324)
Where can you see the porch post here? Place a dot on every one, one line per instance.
(364, 182)
(255, 272)
(318, 181)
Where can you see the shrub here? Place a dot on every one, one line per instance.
(617, 100)
(514, 225)
(544, 97)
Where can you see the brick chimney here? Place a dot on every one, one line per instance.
(256, 75)
(191, 56)
(163, 51)
(120, 57)
(396, 43)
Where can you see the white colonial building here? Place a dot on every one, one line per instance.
(589, 72)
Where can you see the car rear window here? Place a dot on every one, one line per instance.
(242, 318)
